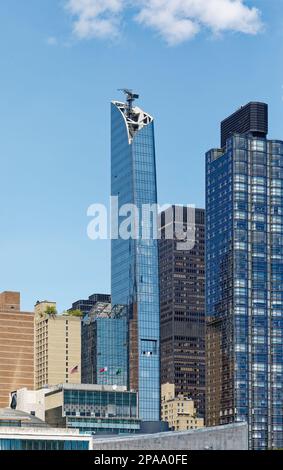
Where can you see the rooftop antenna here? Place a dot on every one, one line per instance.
(131, 97)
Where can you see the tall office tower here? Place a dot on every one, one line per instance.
(134, 261)
(57, 346)
(86, 305)
(182, 309)
(104, 346)
(16, 347)
(244, 272)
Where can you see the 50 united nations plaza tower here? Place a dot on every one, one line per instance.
(244, 278)
(134, 262)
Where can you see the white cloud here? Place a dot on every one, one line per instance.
(52, 41)
(96, 18)
(175, 20)
(178, 20)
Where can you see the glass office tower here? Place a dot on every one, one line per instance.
(134, 261)
(104, 346)
(244, 281)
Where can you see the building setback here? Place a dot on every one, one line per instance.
(23, 431)
(134, 261)
(86, 305)
(178, 411)
(244, 272)
(182, 308)
(57, 347)
(16, 347)
(253, 117)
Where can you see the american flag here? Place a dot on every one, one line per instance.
(74, 370)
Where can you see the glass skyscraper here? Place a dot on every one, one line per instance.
(244, 278)
(104, 346)
(135, 260)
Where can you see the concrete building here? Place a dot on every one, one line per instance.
(93, 409)
(18, 418)
(21, 431)
(16, 346)
(178, 411)
(182, 304)
(30, 401)
(57, 346)
(229, 437)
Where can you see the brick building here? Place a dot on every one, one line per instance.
(16, 347)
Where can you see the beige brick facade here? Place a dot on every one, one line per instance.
(57, 348)
(178, 411)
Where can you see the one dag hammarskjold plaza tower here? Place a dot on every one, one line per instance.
(134, 262)
(244, 268)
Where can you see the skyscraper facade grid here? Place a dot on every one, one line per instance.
(134, 269)
(104, 347)
(244, 286)
(182, 308)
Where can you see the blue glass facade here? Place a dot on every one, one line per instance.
(93, 409)
(101, 412)
(135, 261)
(104, 350)
(112, 354)
(41, 444)
(244, 287)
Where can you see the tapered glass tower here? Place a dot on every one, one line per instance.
(244, 278)
(134, 260)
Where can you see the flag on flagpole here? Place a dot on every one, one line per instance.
(104, 369)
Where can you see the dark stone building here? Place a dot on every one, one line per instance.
(86, 305)
(182, 308)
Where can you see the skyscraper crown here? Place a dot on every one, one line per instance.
(251, 118)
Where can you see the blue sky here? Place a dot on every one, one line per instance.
(59, 70)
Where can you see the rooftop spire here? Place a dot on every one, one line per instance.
(131, 97)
